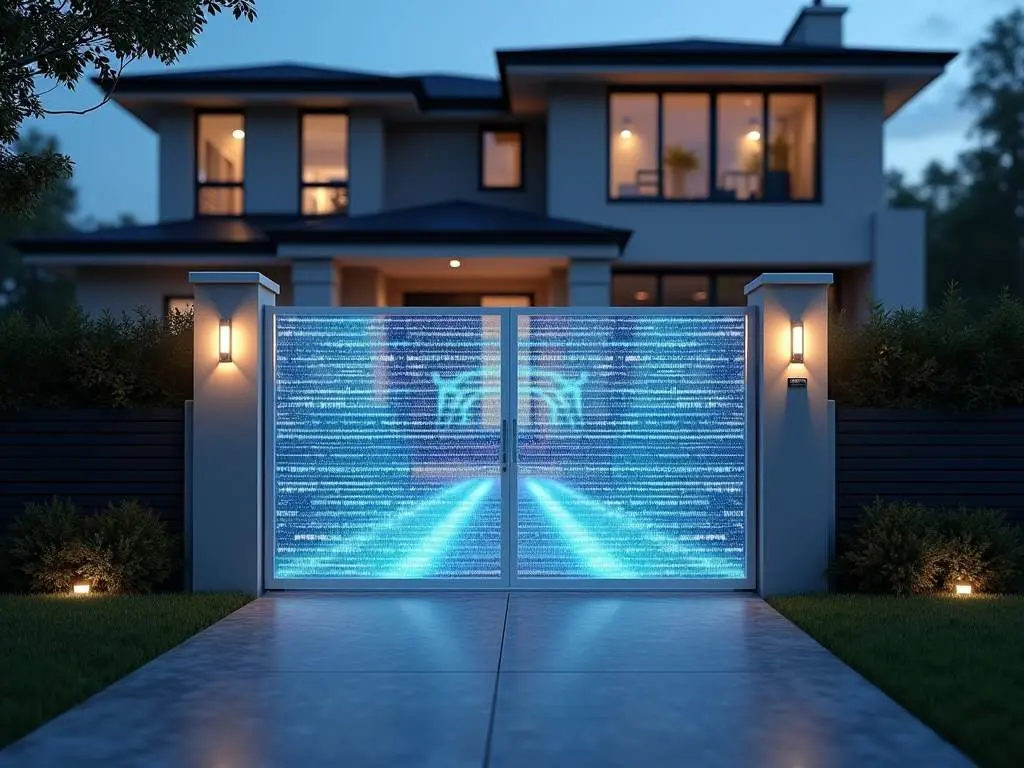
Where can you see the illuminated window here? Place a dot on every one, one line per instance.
(634, 145)
(220, 164)
(792, 149)
(501, 158)
(723, 146)
(324, 163)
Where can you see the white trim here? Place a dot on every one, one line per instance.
(788, 278)
(234, 278)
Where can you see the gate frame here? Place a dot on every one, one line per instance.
(509, 579)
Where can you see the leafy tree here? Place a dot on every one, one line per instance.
(30, 290)
(58, 41)
(974, 226)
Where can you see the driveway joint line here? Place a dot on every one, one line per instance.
(497, 680)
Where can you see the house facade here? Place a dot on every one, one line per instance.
(662, 173)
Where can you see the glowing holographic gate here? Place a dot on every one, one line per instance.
(509, 448)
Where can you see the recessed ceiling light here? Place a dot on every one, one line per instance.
(642, 296)
(238, 133)
(700, 296)
(454, 263)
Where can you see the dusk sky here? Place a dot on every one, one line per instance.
(116, 156)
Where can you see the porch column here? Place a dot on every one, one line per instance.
(589, 283)
(227, 431)
(316, 282)
(796, 478)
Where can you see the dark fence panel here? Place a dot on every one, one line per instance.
(938, 459)
(94, 456)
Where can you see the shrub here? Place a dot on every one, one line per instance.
(83, 361)
(980, 546)
(944, 357)
(44, 544)
(126, 548)
(895, 548)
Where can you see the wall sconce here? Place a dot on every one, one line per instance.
(225, 341)
(963, 588)
(80, 589)
(796, 342)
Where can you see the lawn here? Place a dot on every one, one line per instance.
(956, 663)
(56, 651)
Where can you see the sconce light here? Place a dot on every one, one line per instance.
(225, 341)
(963, 588)
(80, 589)
(796, 342)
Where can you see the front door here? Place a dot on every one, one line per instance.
(508, 448)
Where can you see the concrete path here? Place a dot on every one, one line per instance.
(531, 679)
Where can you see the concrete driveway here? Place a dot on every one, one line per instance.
(527, 679)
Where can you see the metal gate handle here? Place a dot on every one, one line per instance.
(504, 446)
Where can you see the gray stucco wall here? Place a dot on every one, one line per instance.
(124, 289)
(177, 153)
(430, 162)
(834, 233)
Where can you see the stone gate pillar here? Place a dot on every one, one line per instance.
(796, 474)
(227, 432)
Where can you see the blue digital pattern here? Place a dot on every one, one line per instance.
(366, 485)
(630, 451)
(651, 484)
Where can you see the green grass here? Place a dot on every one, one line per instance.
(956, 663)
(56, 651)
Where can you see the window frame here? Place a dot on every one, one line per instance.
(201, 185)
(485, 128)
(765, 92)
(303, 184)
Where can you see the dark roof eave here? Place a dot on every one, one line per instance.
(784, 56)
(459, 237)
(143, 247)
(144, 84)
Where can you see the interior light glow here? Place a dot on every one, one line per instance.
(642, 296)
(238, 134)
(963, 588)
(454, 263)
(80, 589)
(625, 133)
(754, 135)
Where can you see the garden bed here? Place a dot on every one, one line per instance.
(57, 651)
(955, 663)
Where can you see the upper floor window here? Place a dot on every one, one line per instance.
(501, 158)
(220, 164)
(324, 161)
(711, 146)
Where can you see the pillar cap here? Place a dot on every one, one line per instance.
(234, 278)
(787, 278)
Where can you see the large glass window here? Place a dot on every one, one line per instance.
(740, 146)
(792, 121)
(220, 164)
(324, 164)
(634, 145)
(756, 145)
(685, 130)
(501, 159)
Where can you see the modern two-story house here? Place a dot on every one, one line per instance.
(658, 173)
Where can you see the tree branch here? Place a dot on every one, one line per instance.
(106, 97)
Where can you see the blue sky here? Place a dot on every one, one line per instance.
(116, 156)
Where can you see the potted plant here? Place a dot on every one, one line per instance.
(679, 161)
(777, 184)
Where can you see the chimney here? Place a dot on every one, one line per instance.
(817, 24)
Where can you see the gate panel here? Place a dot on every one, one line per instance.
(632, 447)
(385, 453)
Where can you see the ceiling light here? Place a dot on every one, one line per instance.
(642, 296)
(700, 296)
(754, 135)
(238, 133)
(454, 263)
(625, 133)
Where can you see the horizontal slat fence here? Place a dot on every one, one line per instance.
(94, 456)
(938, 459)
